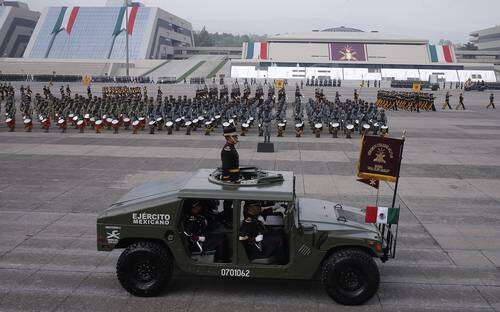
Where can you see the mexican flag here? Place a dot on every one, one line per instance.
(381, 215)
(441, 53)
(121, 21)
(255, 50)
(66, 19)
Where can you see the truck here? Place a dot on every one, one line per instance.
(324, 240)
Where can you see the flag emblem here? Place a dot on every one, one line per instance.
(381, 215)
(371, 182)
(348, 54)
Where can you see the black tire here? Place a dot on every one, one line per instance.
(144, 268)
(350, 276)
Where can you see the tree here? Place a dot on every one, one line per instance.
(203, 38)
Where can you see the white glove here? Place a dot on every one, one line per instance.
(259, 238)
(261, 219)
(201, 238)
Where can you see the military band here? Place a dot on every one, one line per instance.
(122, 107)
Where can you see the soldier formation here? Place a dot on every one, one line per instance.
(211, 108)
(346, 117)
(409, 101)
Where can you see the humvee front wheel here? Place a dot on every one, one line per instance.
(350, 276)
(144, 268)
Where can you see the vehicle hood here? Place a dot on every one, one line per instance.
(329, 216)
(149, 194)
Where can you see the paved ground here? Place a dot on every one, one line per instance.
(53, 186)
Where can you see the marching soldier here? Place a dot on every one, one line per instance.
(229, 155)
(460, 102)
(447, 101)
(492, 103)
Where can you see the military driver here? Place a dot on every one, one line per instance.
(260, 243)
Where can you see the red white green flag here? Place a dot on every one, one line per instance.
(121, 24)
(381, 215)
(66, 19)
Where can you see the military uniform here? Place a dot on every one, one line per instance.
(230, 157)
(447, 101)
(196, 228)
(492, 103)
(270, 244)
(461, 102)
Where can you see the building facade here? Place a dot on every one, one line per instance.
(17, 23)
(100, 33)
(353, 55)
(487, 39)
(348, 47)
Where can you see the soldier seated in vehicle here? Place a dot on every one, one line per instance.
(200, 227)
(258, 241)
(272, 213)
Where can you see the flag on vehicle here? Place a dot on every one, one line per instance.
(381, 215)
(371, 182)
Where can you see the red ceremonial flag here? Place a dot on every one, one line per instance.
(371, 182)
(371, 214)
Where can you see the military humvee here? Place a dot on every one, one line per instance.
(324, 240)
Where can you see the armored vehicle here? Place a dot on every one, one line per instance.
(319, 239)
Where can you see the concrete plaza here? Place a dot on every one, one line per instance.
(53, 185)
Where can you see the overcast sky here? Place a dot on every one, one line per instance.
(423, 19)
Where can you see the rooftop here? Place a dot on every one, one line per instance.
(363, 37)
(342, 29)
(199, 186)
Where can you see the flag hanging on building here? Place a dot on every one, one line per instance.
(441, 53)
(66, 19)
(380, 158)
(255, 50)
(121, 21)
(381, 215)
(371, 182)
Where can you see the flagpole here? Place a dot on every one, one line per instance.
(126, 38)
(399, 168)
(395, 239)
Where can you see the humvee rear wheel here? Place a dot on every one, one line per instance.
(350, 276)
(144, 269)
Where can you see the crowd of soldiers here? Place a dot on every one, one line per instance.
(409, 101)
(346, 117)
(211, 108)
